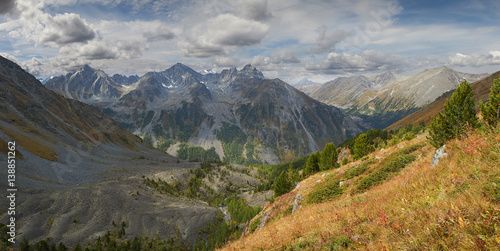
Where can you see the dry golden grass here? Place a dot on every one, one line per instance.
(32, 144)
(4, 148)
(448, 207)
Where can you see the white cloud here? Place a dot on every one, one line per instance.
(230, 30)
(285, 56)
(200, 48)
(47, 30)
(103, 50)
(255, 10)
(326, 42)
(160, 34)
(65, 29)
(225, 62)
(260, 60)
(475, 59)
(368, 60)
(226, 30)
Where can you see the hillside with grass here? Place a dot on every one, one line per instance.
(390, 199)
(395, 195)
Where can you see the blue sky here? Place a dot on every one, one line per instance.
(288, 39)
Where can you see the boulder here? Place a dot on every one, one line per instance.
(440, 153)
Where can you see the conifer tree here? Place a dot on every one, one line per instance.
(491, 110)
(328, 157)
(312, 164)
(293, 174)
(459, 113)
(361, 147)
(282, 184)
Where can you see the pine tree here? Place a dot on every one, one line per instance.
(328, 157)
(491, 110)
(293, 174)
(312, 164)
(459, 113)
(282, 184)
(361, 147)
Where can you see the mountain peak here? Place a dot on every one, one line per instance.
(251, 71)
(84, 67)
(180, 69)
(181, 66)
(305, 81)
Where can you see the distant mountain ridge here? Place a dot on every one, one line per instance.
(481, 90)
(240, 113)
(384, 99)
(87, 85)
(304, 81)
(342, 91)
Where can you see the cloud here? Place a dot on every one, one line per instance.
(6, 6)
(230, 30)
(368, 60)
(44, 29)
(226, 30)
(260, 60)
(161, 34)
(96, 50)
(65, 29)
(225, 62)
(199, 48)
(475, 59)
(285, 56)
(255, 10)
(326, 42)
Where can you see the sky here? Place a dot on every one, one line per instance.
(288, 39)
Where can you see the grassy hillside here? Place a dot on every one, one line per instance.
(392, 199)
(481, 89)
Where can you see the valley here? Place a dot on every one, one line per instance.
(242, 156)
(249, 125)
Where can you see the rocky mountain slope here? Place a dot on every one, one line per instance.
(386, 99)
(49, 128)
(306, 86)
(78, 172)
(241, 114)
(87, 85)
(481, 90)
(342, 92)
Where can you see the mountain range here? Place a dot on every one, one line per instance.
(481, 90)
(54, 129)
(386, 98)
(244, 116)
(78, 172)
(82, 176)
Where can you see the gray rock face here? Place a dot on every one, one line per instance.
(87, 85)
(267, 116)
(440, 153)
(344, 92)
(296, 202)
(263, 220)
